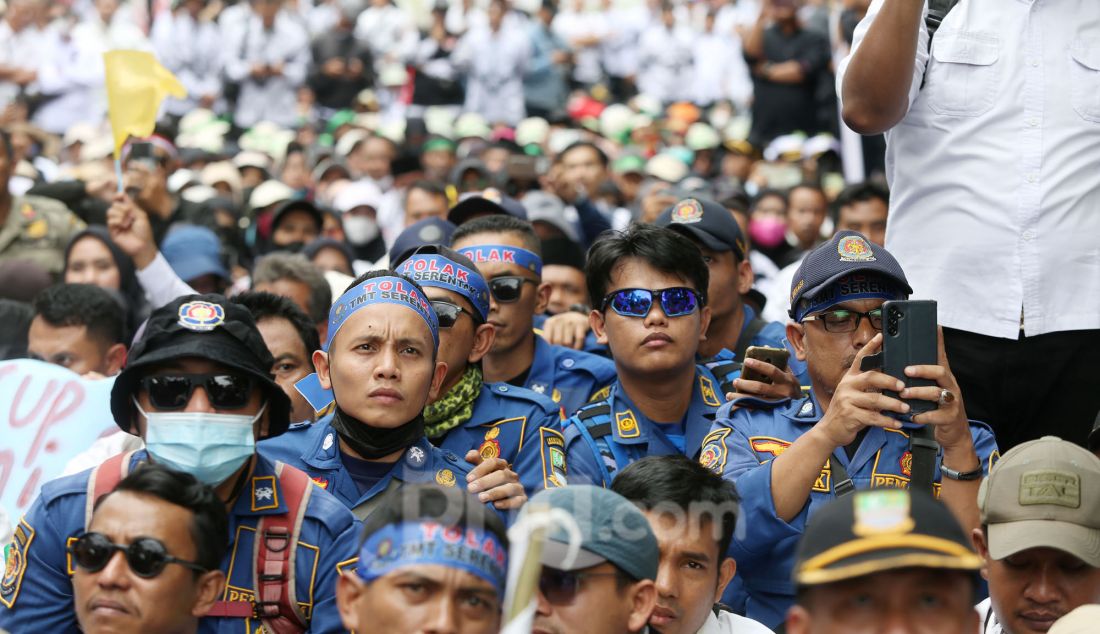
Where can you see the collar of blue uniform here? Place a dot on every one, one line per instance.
(262, 493)
(441, 272)
(504, 254)
(385, 289)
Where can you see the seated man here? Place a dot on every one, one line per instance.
(291, 337)
(151, 559)
(647, 287)
(1040, 536)
(379, 365)
(693, 513)
(884, 560)
(789, 457)
(609, 586)
(197, 389)
(80, 327)
(470, 417)
(432, 560)
(506, 252)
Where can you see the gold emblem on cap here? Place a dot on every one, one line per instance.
(854, 249)
(687, 211)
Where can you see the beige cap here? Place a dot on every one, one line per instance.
(1043, 494)
(1082, 620)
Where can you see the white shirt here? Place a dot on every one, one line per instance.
(191, 50)
(730, 623)
(988, 618)
(495, 63)
(994, 171)
(571, 26)
(272, 98)
(664, 61)
(110, 445)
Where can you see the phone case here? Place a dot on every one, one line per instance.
(910, 338)
(775, 356)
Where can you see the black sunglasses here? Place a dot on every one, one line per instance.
(448, 313)
(560, 587)
(507, 289)
(146, 556)
(637, 302)
(173, 391)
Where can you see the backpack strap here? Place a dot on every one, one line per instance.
(937, 12)
(595, 428)
(103, 480)
(747, 335)
(274, 551)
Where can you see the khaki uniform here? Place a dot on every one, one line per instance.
(38, 229)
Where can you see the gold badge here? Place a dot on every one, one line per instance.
(445, 477)
(489, 450)
(492, 433)
(706, 387)
(38, 229)
(556, 395)
(628, 426)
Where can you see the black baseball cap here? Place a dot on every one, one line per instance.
(706, 221)
(427, 231)
(486, 202)
(205, 327)
(848, 253)
(876, 530)
(298, 205)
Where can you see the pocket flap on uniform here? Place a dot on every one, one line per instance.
(977, 49)
(1087, 54)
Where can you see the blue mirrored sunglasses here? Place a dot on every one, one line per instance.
(637, 302)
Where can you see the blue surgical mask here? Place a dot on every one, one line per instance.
(208, 446)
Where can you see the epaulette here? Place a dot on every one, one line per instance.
(596, 418)
(508, 391)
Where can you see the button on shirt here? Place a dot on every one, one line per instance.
(995, 199)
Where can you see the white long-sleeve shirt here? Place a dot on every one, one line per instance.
(271, 98)
(191, 49)
(995, 169)
(495, 63)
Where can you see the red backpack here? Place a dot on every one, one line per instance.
(273, 576)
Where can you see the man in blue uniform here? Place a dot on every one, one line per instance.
(506, 251)
(198, 390)
(648, 290)
(493, 420)
(380, 367)
(789, 457)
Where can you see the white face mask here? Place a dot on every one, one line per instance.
(360, 229)
(209, 446)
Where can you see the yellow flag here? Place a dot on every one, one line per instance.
(136, 84)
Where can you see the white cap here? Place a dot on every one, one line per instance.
(349, 140)
(268, 193)
(361, 193)
(667, 168)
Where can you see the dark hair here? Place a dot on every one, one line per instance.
(295, 267)
(210, 524)
(83, 305)
(9, 152)
(814, 187)
(766, 193)
(313, 248)
(16, 317)
(431, 502)
(500, 223)
(863, 192)
(562, 252)
(428, 185)
(660, 247)
(680, 482)
(588, 144)
(271, 306)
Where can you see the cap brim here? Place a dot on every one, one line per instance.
(872, 555)
(709, 241)
(554, 553)
(811, 293)
(464, 210)
(1008, 538)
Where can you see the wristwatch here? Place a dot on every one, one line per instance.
(964, 476)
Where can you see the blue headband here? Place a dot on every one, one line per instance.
(396, 546)
(504, 254)
(439, 272)
(381, 290)
(868, 285)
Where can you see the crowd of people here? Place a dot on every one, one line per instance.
(561, 317)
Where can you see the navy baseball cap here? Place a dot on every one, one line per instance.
(427, 231)
(486, 202)
(298, 205)
(207, 327)
(441, 267)
(612, 529)
(706, 221)
(863, 269)
(192, 252)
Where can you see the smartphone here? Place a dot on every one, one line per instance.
(910, 338)
(141, 152)
(775, 356)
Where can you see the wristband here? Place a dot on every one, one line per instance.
(962, 476)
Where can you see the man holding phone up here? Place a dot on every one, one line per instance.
(790, 457)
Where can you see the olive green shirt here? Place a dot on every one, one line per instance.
(38, 229)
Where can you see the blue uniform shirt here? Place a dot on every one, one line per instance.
(610, 433)
(315, 449)
(38, 594)
(726, 367)
(519, 426)
(740, 447)
(569, 377)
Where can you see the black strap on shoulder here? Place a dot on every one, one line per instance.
(924, 448)
(747, 335)
(594, 411)
(937, 12)
(842, 482)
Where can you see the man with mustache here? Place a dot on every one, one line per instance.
(648, 289)
(789, 457)
(1040, 536)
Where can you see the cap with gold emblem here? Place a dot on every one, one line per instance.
(878, 530)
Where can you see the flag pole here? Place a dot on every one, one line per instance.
(118, 173)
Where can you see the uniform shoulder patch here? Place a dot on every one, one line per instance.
(552, 448)
(769, 445)
(15, 563)
(714, 451)
(600, 394)
(706, 388)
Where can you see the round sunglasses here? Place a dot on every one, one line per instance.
(173, 391)
(146, 556)
(637, 302)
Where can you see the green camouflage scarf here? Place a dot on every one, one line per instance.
(456, 406)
